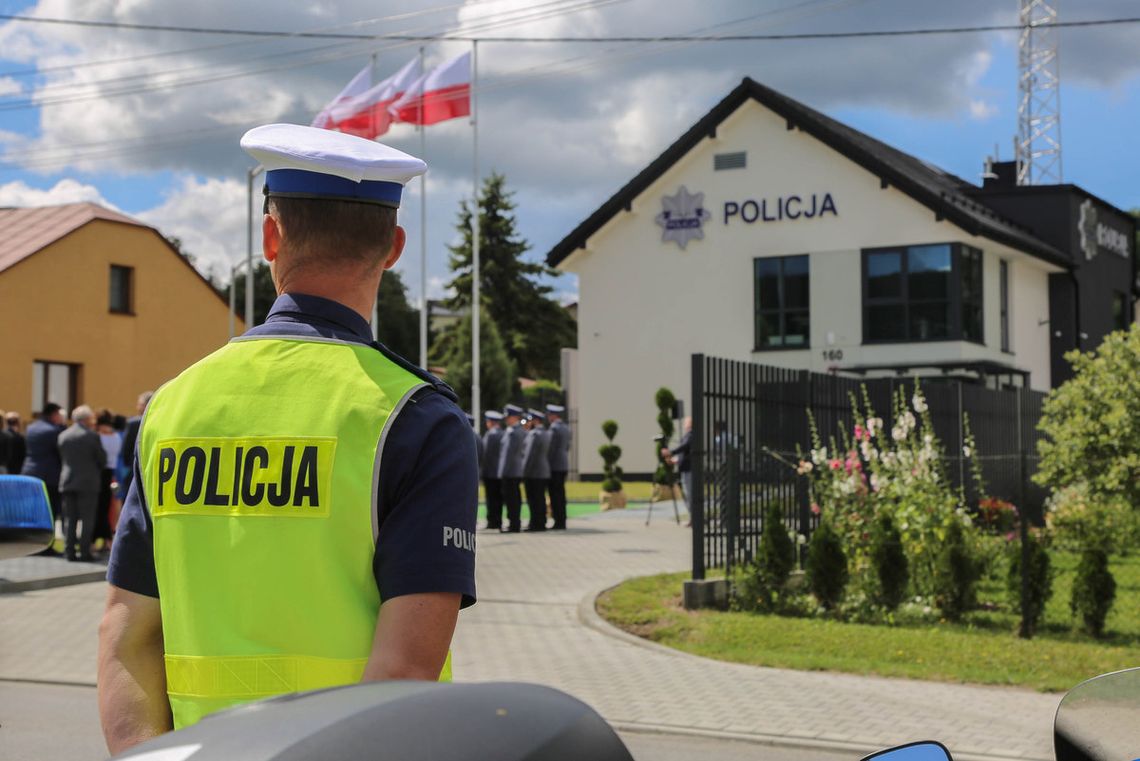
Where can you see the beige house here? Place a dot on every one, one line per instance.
(96, 307)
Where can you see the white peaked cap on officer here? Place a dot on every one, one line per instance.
(307, 162)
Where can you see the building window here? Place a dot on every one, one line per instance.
(121, 278)
(1004, 285)
(1120, 318)
(782, 302)
(922, 293)
(56, 382)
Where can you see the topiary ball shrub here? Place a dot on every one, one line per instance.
(1094, 590)
(1040, 580)
(827, 566)
(891, 569)
(610, 454)
(956, 574)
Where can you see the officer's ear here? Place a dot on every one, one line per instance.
(270, 238)
(399, 238)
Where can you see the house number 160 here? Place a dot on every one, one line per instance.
(833, 355)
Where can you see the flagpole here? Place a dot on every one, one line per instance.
(372, 131)
(475, 390)
(423, 232)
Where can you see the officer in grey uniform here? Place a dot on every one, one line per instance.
(536, 469)
(511, 466)
(489, 469)
(559, 458)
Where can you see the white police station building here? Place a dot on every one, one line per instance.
(772, 233)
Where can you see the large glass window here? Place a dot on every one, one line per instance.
(782, 302)
(54, 382)
(922, 293)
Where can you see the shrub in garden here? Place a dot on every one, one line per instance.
(763, 582)
(1081, 520)
(610, 453)
(956, 574)
(827, 566)
(996, 516)
(665, 402)
(1040, 579)
(1094, 591)
(888, 560)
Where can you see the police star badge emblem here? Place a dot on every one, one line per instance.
(682, 217)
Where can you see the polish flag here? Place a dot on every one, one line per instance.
(361, 82)
(367, 115)
(441, 94)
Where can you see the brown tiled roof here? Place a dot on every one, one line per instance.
(24, 231)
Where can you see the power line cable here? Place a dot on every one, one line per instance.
(617, 38)
(551, 9)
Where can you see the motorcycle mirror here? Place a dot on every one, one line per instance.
(1096, 720)
(398, 721)
(26, 524)
(920, 751)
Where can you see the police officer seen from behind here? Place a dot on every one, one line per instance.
(302, 512)
(489, 465)
(536, 469)
(511, 466)
(559, 458)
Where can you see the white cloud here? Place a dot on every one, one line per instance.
(981, 110)
(9, 86)
(19, 193)
(208, 216)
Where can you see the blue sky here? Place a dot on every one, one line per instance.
(566, 136)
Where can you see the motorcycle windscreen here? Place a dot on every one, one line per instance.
(1099, 720)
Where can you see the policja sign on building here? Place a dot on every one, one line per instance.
(772, 233)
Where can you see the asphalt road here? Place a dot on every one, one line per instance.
(61, 723)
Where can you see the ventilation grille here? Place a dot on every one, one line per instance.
(730, 160)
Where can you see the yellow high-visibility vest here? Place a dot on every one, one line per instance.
(260, 467)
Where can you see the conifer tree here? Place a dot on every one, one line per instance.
(534, 328)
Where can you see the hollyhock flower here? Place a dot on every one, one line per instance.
(815, 510)
(836, 464)
(804, 468)
(919, 403)
(966, 451)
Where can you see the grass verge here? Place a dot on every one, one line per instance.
(983, 649)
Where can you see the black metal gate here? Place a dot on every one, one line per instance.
(750, 421)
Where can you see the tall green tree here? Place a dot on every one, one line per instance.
(534, 327)
(399, 321)
(496, 370)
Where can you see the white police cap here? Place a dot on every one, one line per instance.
(307, 162)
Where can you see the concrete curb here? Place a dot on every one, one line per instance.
(8, 586)
(588, 616)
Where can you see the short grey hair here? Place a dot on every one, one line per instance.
(81, 413)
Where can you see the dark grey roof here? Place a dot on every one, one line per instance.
(945, 194)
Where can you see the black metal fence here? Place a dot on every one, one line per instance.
(750, 423)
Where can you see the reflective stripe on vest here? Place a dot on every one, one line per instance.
(259, 469)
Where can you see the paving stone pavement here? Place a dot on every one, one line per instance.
(535, 622)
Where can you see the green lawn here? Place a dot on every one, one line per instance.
(982, 649)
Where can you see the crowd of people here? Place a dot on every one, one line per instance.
(85, 466)
(525, 451)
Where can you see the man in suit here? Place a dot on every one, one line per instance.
(130, 437)
(489, 469)
(83, 459)
(17, 445)
(511, 466)
(536, 469)
(42, 458)
(559, 459)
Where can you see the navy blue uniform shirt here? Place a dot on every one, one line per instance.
(428, 478)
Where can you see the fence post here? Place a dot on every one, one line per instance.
(731, 501)
(961, 444)
(1024, 631)
(803, 497)
(697, 458)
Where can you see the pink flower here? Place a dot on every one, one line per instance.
(815, 509)
(836, 464)
(859, 431)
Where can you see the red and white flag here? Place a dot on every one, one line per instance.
(367, 115)
(361, 82)
(441, 94)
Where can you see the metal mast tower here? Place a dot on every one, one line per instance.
(1038, 143)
